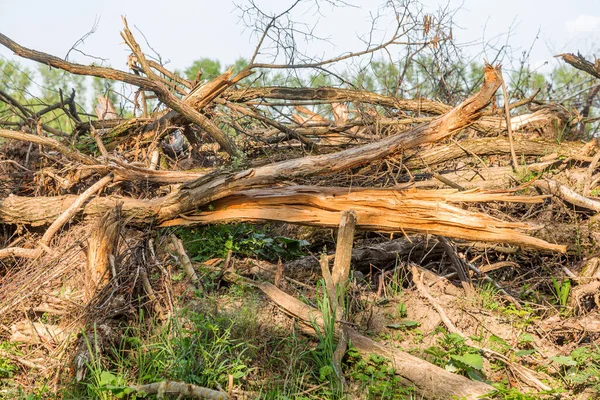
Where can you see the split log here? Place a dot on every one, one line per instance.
(343, 249)
(183, 389)
(377, 210)
(387, 210)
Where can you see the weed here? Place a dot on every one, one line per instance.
(200, 350)
(401, 310)
(525, 175)
(504, 392)
(498, 344)
(242, 239)
(561, 291)
(7, 368)
(520, 318)
(581, 368)
(488, 296)
(453, 354)
(99, 382)
(376, 376)
(323, 354)
(395, 285)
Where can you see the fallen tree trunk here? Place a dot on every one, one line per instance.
(365, 257)
(388, 210)
(487, 147)
(337, 95)
(378, 210)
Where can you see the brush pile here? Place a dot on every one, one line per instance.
(468, 188)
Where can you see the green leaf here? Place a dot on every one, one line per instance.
(404, 324)
(475, 375)
(107, 378)
(238, 374)
(522, 353)
(474, 361)
(526, 338)
(401, 310)
(499, 343)
(564, 360)
(451, 368)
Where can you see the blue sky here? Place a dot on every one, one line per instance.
(184, 30)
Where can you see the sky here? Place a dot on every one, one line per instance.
(185, 30)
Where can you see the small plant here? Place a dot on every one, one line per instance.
(323, 354)
(504, 392)
(116, 386)
(395, 285)
(498, 344)
(581, 368)
(488, 296)
(561, 291)
(522, 317)
(242, 239)
(525, 175)
(200, 350)
(453, 354)
(7, 368)
(401, 310)
(376, 376)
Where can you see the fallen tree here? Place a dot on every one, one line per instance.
(121, 178)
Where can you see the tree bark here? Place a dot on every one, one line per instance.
(579, 62)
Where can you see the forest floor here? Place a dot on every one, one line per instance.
(230, 336)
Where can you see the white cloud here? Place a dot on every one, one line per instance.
(583, 24)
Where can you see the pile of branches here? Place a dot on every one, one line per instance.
(79, 208)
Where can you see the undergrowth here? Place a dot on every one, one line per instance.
(244, 240)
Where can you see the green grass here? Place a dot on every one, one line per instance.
(219, 335)
(323, 354)
(193, 347)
